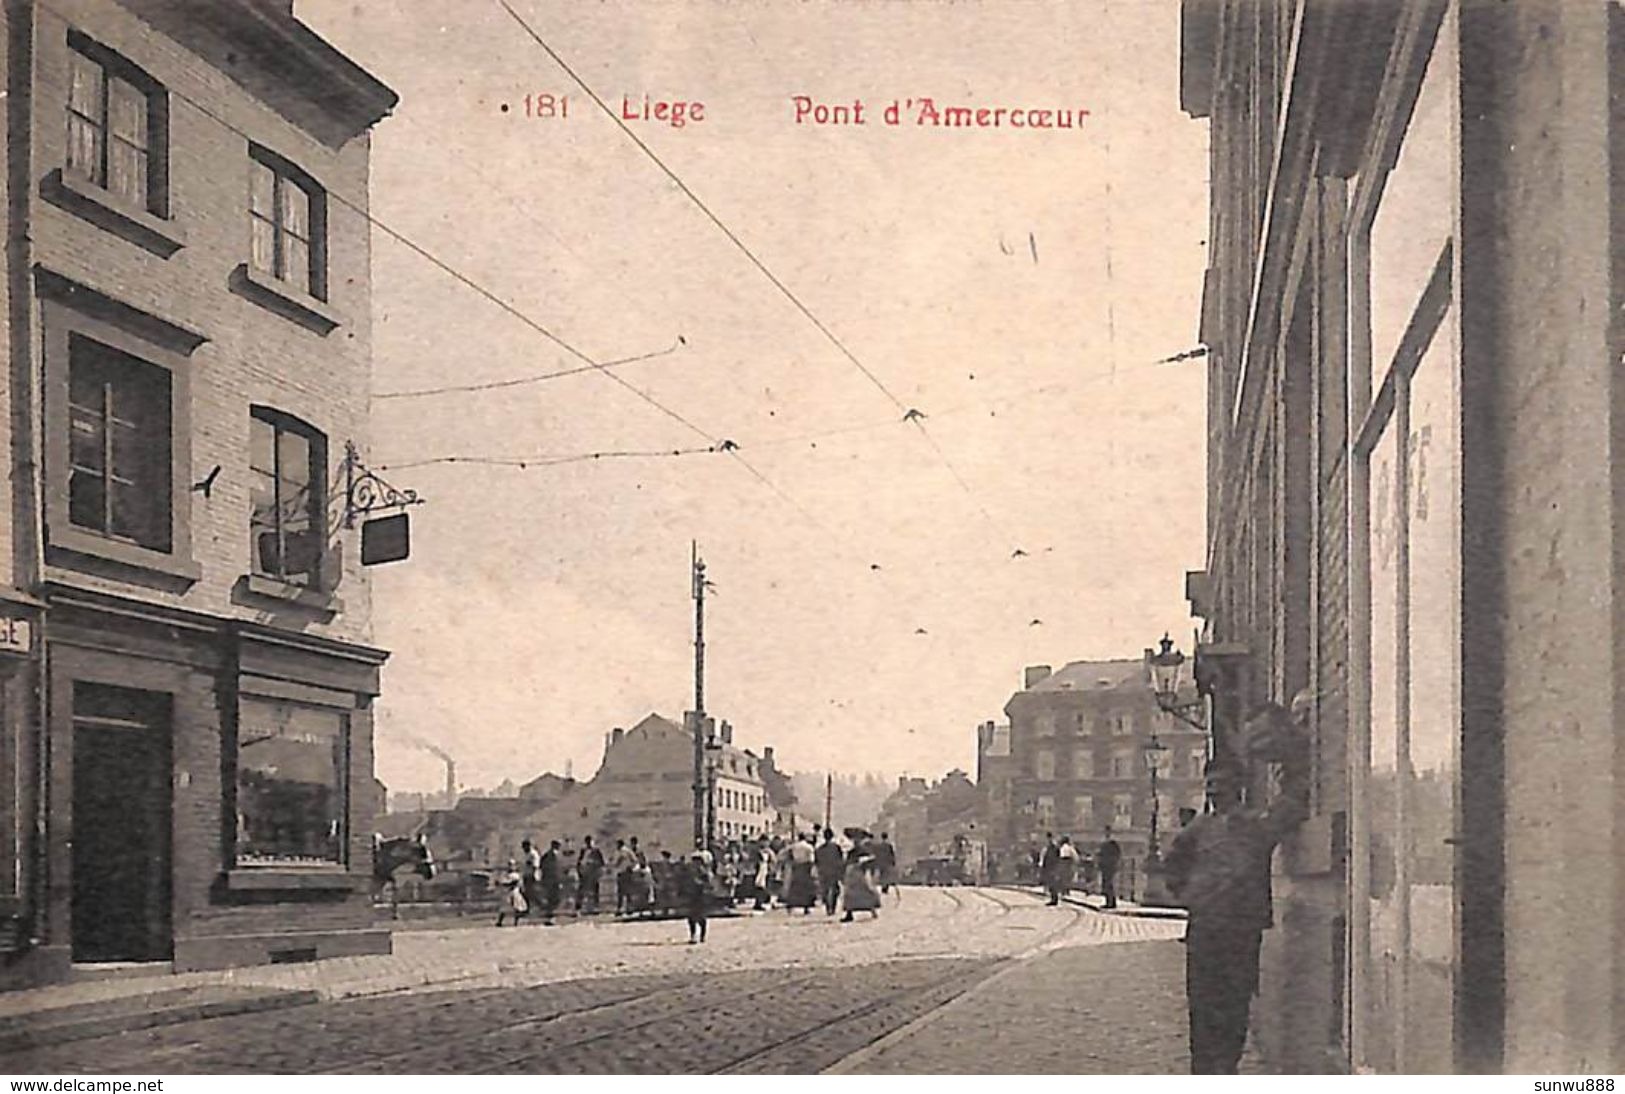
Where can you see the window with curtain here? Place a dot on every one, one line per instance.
(288, 220)
(116, 126)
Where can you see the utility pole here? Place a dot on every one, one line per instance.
(829, 797)
(697, 574)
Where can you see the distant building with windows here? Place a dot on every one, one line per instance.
(186, 771)
(1077, 760)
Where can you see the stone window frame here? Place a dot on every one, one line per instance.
(146, 223)
(1083, 764)
(67, 311)
(309, 304)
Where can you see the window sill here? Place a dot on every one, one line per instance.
(262, 879)
(106, 210)
(284, 299)
(79, 547)
(261, 587)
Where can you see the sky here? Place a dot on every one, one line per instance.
(1014, 286)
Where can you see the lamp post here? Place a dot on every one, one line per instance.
(1156, 754)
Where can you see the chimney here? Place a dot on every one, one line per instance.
(451, 785)
(1035, 674)
(767, 756)
(615, 735)
(727, 733)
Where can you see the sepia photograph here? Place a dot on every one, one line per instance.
(802, 537)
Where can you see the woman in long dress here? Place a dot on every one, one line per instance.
(858, 892)
(801, 890)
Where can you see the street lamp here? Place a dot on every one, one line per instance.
(1164, 667)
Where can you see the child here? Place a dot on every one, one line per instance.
(695, 889)
(514, 899)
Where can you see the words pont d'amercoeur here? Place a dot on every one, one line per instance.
(926, 111)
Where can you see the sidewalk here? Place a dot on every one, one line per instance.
(1112, 1010)
(1097, 903)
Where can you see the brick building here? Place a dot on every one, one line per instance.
(187, 738)
(1078, 741)
(1413, 314)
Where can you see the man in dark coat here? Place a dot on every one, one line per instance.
(886, 862)
(1108, 858)
(550, 879)
(589, 869)
(830, 864)
(1049, 868)
(1219, 867)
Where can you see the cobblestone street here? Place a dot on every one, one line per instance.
(767, 993)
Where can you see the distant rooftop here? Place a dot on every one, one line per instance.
(1095, 676)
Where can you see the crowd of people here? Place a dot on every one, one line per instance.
(801, 872)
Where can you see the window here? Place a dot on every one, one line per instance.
(117, 122)
(288, 216)
(1080, 724)
(1123, 811)
(1083, 811)
(1045, 724)
(288, 461)
(1083, 765)
(1044, 765)
(1045, 807)
(291, 775)
(1197, 763)
(119, 478)
(1122, 725)
(1123, 766)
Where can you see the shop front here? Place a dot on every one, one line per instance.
(209, 791)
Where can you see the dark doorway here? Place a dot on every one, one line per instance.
(121, 823)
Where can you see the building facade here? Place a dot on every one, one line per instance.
(1413, 310)
(1079, 763)
(187, 729)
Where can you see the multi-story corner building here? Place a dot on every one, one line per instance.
(1079, 762)
(1413, 311)
(187, 677)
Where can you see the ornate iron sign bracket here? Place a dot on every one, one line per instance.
(365, 493)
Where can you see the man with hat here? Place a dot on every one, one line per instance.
(1219, 867)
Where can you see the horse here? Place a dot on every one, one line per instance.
(391, 855)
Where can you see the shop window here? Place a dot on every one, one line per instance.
(119, 478)
(288, 223)
(291, 777)
(288, 507)
(117, 127)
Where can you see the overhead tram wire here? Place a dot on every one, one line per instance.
(520, 381)
(750, 255)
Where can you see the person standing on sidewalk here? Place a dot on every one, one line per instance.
(1049, 868)
(625, 864)
(1066, 867)
(694, 890)
(530, 877)
(886, 863)
(589, 870)
(830, 863)
(1219, 867)
(550, 879)
(1108, 858)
